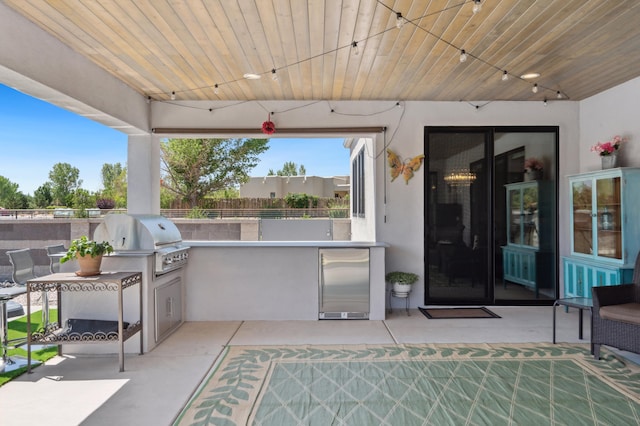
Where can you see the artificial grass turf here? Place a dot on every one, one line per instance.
(17, 329)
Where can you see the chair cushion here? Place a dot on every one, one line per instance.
(626, 312)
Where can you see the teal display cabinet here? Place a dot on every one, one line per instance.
(528, 258)
(605, 230)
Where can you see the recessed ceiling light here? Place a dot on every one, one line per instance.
(530, 75)
(252, 76)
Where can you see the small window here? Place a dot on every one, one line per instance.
(357, 185)
(272, 195)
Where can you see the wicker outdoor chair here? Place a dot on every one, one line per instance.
(616, 315)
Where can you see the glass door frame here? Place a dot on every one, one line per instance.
(490, 136)
(487, 280)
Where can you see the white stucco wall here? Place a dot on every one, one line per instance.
(364, 228)
(613, 112)
(399, 221)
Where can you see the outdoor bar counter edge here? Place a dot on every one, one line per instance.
(267, 280)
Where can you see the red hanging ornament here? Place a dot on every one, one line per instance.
(268, 128)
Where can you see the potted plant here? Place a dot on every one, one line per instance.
(88, 253)
(533, 169)
(608, 151)
(402, 281)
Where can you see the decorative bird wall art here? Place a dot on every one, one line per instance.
(404, 168)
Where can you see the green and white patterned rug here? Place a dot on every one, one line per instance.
(426, 384)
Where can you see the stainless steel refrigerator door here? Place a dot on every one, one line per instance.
(344, 283)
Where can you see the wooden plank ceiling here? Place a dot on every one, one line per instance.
(580, 47)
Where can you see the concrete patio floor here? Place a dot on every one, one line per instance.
(89, 390)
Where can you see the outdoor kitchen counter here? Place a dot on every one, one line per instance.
(318, 244)
(267, 280)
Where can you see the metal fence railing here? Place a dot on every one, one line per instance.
(269, 213)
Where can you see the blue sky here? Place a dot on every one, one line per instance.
(35, 135)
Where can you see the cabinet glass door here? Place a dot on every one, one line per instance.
(609, 233)
(581, 191)
(523, 214)
(530, 216)
(515, 217)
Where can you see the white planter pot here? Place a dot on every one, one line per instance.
(399, 288)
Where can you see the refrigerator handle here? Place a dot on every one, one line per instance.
(321, 278)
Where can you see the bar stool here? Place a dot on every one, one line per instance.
(6, 294)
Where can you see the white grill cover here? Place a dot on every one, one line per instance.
(137, 232)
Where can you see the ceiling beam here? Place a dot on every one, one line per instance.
(287, 131)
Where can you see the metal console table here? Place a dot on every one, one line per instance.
(582, 304)
(56, 334)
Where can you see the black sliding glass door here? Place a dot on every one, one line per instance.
(490, 234)
(458, 213)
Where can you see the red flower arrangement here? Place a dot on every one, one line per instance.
(268, 128)
(533, 164)
(607, 148)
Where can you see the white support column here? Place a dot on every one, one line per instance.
(143, 169)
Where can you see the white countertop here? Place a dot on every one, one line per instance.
(339, 244)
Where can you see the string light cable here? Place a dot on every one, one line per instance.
(477, 106)
(353, 114)
(464, 54)
(355, 43)
(351, 45)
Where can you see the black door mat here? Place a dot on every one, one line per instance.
(449, 313)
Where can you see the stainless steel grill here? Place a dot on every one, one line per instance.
(142, 234)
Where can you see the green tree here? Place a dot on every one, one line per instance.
(195, 168)
(19, 201)
(8, 192)
(64, 181)
(225, 194)
(301, 201)
(114, 183)
(166, 198)
(289, 169)
(110, 173)
(82, 200)
(42, 196)
(10, 197)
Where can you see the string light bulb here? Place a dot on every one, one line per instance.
(505, 75)
(463, 56)
(274, 76)
(173, 96)
(215, 89)
(477, 6)
(399, 20)
(534, 89)
(356, 51)
(558, 95)
(544, 102)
